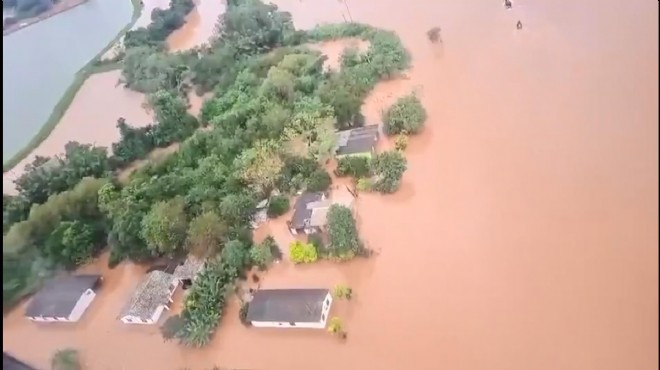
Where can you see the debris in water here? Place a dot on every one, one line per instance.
(434, 34)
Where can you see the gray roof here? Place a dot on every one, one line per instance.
(357, 140)
(302, 213)
(189, 269)
(59, 296)
(10, 362)
(287, 305)
(152, 292)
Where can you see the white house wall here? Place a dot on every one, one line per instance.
(301, 325)
(82, 305)
(157, 314)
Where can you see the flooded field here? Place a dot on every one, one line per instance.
(525, 233)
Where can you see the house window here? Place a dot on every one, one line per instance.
(279, 324)
(292, 323)
(327, 301)
(323, 317)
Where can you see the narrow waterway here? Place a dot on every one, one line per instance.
(525, 235)
(39, 63)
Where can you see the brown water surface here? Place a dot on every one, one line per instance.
(199, 27)
(525, 232)
(90, 119)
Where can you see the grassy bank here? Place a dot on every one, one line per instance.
(63, 104)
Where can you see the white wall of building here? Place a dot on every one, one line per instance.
(82, 305)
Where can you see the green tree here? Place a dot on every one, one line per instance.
(254, 27)
(278, 206)
(205, 234)
(300, 252)
(237, 208)
(319, 180)
(336, 327)
(260, 165)
(164, 227)
(174, 121)
(342, 232)
(235, 255)
(407, 115)
(388, 168)
(343, 291)
(355, 166)
(72, 243)
(261, 254)
(66, 359)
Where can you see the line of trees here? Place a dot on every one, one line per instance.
(271, 128)
(163, 23)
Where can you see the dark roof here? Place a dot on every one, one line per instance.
(59, 296)
(357, 140)
(302, 213)
(10, 362)
(287, 305)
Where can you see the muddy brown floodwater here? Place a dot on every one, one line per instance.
(525, 233)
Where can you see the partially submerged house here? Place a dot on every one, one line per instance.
(359, 141)
(311, 211)
(63, 299)
(10, 362)
(290, 308)
(154, 294)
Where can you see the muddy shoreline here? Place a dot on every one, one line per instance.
(27, 22)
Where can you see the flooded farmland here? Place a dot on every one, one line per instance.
(525, 233)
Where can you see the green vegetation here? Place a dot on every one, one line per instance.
(401, 142)
(270, 126)
(300, 252)
(406, 116)
(336, 327)
(163, 23)
(262, 254)
(382, 173)
(342, 234)
(66, 359)
(388, 168)
(278, 206)
(355, 166)
(343, 291)
(319, 180)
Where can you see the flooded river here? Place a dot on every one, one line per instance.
(525, 233)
